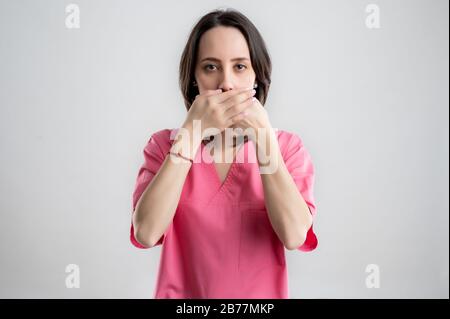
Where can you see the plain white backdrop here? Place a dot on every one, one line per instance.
(77, 107)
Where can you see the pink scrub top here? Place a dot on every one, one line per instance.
(220, 243)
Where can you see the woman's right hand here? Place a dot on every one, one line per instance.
(219, 110)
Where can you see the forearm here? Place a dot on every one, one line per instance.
(288, 211)
(157, 205)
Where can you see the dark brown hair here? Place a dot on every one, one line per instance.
(258, 53)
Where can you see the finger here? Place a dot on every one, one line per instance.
(238, 108)
(236, 118)
(220, 98)
(238, 99)
(211, 92)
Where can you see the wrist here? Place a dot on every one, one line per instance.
(263, 132)
(186, 142)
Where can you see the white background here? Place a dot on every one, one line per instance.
(77, 107)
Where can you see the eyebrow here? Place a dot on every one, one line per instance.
(218, 60)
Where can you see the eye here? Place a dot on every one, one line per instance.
(241, 65)
(206, 67)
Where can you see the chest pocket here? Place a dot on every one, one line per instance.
(260, 246)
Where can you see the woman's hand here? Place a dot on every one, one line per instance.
(220, 110)
(256, 117)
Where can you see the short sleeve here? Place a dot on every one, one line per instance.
(154, 156)
(299, 164)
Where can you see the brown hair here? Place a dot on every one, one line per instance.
(258, 53)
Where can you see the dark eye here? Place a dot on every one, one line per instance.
(206, 67)
(241, 66)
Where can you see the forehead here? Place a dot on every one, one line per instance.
(223, 43)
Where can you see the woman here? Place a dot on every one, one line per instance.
(224, 224)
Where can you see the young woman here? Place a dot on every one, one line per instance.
(223, 224)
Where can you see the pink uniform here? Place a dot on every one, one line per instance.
(220, 243)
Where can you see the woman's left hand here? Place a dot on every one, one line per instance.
(256, 117)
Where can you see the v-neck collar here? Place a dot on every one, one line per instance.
(219, 186)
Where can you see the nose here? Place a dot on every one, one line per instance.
(226, 82)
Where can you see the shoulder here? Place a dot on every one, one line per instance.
(162, 139)
(286, 136)
(294, 152)
(288, 141)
